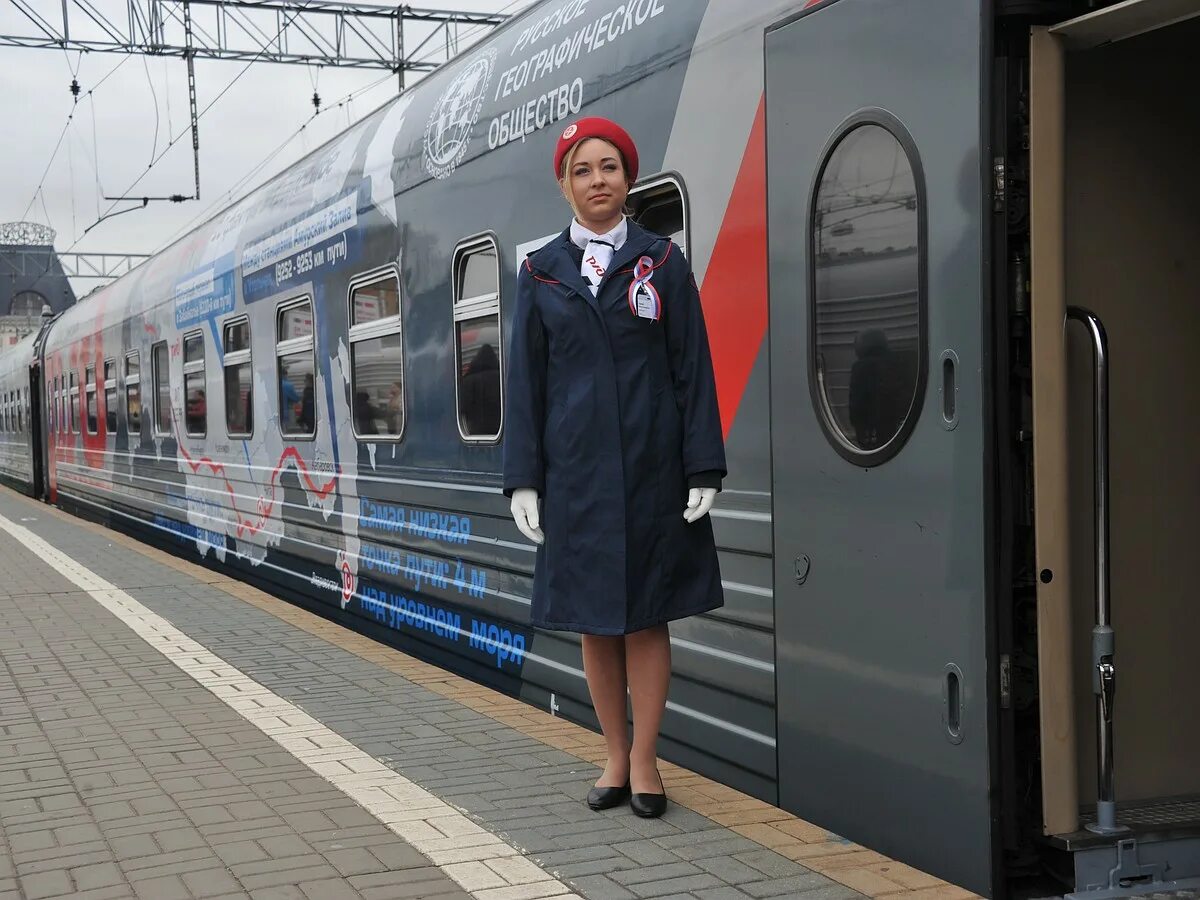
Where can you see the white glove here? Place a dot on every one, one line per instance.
(525, 513)
(700, 501)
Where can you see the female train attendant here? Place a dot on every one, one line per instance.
(613, 426)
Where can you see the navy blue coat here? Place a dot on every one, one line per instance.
(608, 415)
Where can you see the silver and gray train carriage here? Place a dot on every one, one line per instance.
(946, 252)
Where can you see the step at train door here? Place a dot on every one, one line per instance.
(875, 211)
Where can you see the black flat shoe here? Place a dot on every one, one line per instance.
(607, 797)
(648, 806)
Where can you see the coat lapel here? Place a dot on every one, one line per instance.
(555, 261)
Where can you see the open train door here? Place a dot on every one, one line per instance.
(878, 406)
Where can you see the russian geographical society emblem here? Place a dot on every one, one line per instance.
(448, 132)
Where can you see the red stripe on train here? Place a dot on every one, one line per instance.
(734, 293)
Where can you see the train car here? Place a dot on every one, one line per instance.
(18, 426)
(892, 210)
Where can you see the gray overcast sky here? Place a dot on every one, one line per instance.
(268, 103)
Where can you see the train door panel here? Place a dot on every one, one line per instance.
(875, 218)
(34, 425)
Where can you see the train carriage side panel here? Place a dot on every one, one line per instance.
(410, 538)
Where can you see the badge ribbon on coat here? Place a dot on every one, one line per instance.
(644, 301)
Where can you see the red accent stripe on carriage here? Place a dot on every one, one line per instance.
(265, 505)
(734, 294)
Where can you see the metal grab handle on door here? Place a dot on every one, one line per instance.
(1104, 675)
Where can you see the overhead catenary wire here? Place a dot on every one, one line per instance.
(171, 143)
(154, 97)
(272, 154)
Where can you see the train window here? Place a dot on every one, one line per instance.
(195, 415)
(295, 358)
(239, 388)
(110, 395)
(63, 419)
(133, 392)
(4, 412)
(22, 409)
(89, 389)
(50, 405)
(160, 372)
(867, 320)
(74, 400)
(377, 357)
(658, 206)
(477, 369)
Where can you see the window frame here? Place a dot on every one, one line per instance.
(289, 348)
(111, 417)
(654, 184)
(90, 397)
(192, 368)
(377, 329)
(155, 424)
(824, 414)
(133, 381)
(73, 401)
(236, 358)
(476, 308)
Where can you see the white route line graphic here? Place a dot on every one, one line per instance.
(477, 860)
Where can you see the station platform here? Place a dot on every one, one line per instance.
(166, 732)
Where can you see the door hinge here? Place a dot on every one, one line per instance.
(1005, 681)
(999, 184)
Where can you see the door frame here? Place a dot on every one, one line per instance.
(35, 431)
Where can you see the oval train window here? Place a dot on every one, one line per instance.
(867, 285)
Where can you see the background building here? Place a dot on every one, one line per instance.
(31, 277)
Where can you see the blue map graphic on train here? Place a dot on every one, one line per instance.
(206, 293)
(326, 237)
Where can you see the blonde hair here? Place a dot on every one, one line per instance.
(564, 177)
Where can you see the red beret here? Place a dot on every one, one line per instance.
(596, 127)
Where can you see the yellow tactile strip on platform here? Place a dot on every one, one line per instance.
(856, 867)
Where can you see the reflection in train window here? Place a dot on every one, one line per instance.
(89, 389)
(658, 206)
(295, 356)
(110, 395)
(74, 400)
(477, 370)
(162, 388)
(239, 388)
(64, 422)
(195, 392)
(133, 392)
(50, 417)
(377, 357)
(867, 319)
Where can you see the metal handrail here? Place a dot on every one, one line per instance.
(1104, 673)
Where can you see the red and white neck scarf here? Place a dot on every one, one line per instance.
(598, 250)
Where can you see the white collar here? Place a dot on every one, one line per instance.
(580, 235)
